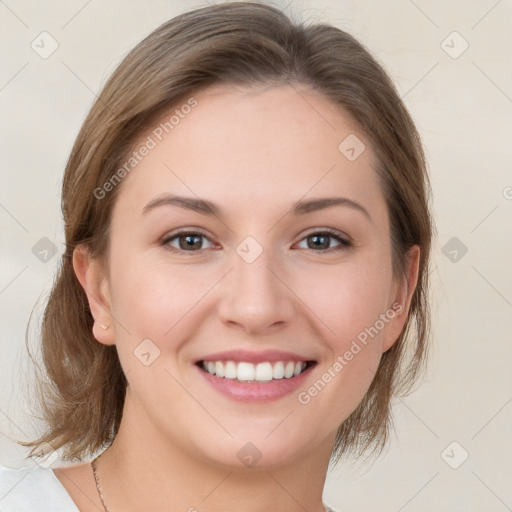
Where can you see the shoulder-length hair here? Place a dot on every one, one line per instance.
(244, 43)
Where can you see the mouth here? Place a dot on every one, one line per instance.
(260, 381)
(251, 373)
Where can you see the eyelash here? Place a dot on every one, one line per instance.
(344, 244)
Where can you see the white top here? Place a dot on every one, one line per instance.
(36, 489)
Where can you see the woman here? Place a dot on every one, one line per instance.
(244, 287)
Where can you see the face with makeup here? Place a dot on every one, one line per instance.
(246, 244)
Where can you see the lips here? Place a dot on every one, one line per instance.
(255, 376)
(270, 356)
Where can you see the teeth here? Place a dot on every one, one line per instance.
(244, 371)
(261, 372)
(278, 370)
(288, 371)
(230, 370)
(219, 369)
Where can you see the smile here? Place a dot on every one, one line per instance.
(261, 381)
(255, 373)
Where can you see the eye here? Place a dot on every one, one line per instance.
(192, 241)
(188, 241)
(321, 241)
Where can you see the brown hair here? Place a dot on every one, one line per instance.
(242, 43)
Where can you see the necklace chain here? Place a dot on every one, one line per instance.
(100, 490)
(98, 485)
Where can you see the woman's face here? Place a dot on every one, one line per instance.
(224, 248)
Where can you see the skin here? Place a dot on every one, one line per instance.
(253, 152)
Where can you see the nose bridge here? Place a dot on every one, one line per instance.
(254, 296)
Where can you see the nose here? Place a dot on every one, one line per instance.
(255, 297)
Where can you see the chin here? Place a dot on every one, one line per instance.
(254, 450)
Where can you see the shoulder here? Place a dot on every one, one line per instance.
(33, 488)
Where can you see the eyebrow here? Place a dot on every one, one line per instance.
(206, 207)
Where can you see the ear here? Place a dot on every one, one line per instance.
(400, 298)
(96, 286)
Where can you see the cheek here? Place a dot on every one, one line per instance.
(348, 300)
(148, 291)
(349, 306)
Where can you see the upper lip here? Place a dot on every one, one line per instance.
(254, 357)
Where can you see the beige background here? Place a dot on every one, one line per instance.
(463, 109)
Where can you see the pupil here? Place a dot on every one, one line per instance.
(189, 241)
(316, 238)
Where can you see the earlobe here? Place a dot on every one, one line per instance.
(402, 296)
(92, 279)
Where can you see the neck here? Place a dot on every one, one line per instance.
(142, 469)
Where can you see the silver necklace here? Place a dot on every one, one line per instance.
(100, 490)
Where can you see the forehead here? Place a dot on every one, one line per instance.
(254, 146)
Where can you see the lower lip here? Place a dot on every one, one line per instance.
(252, 392)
